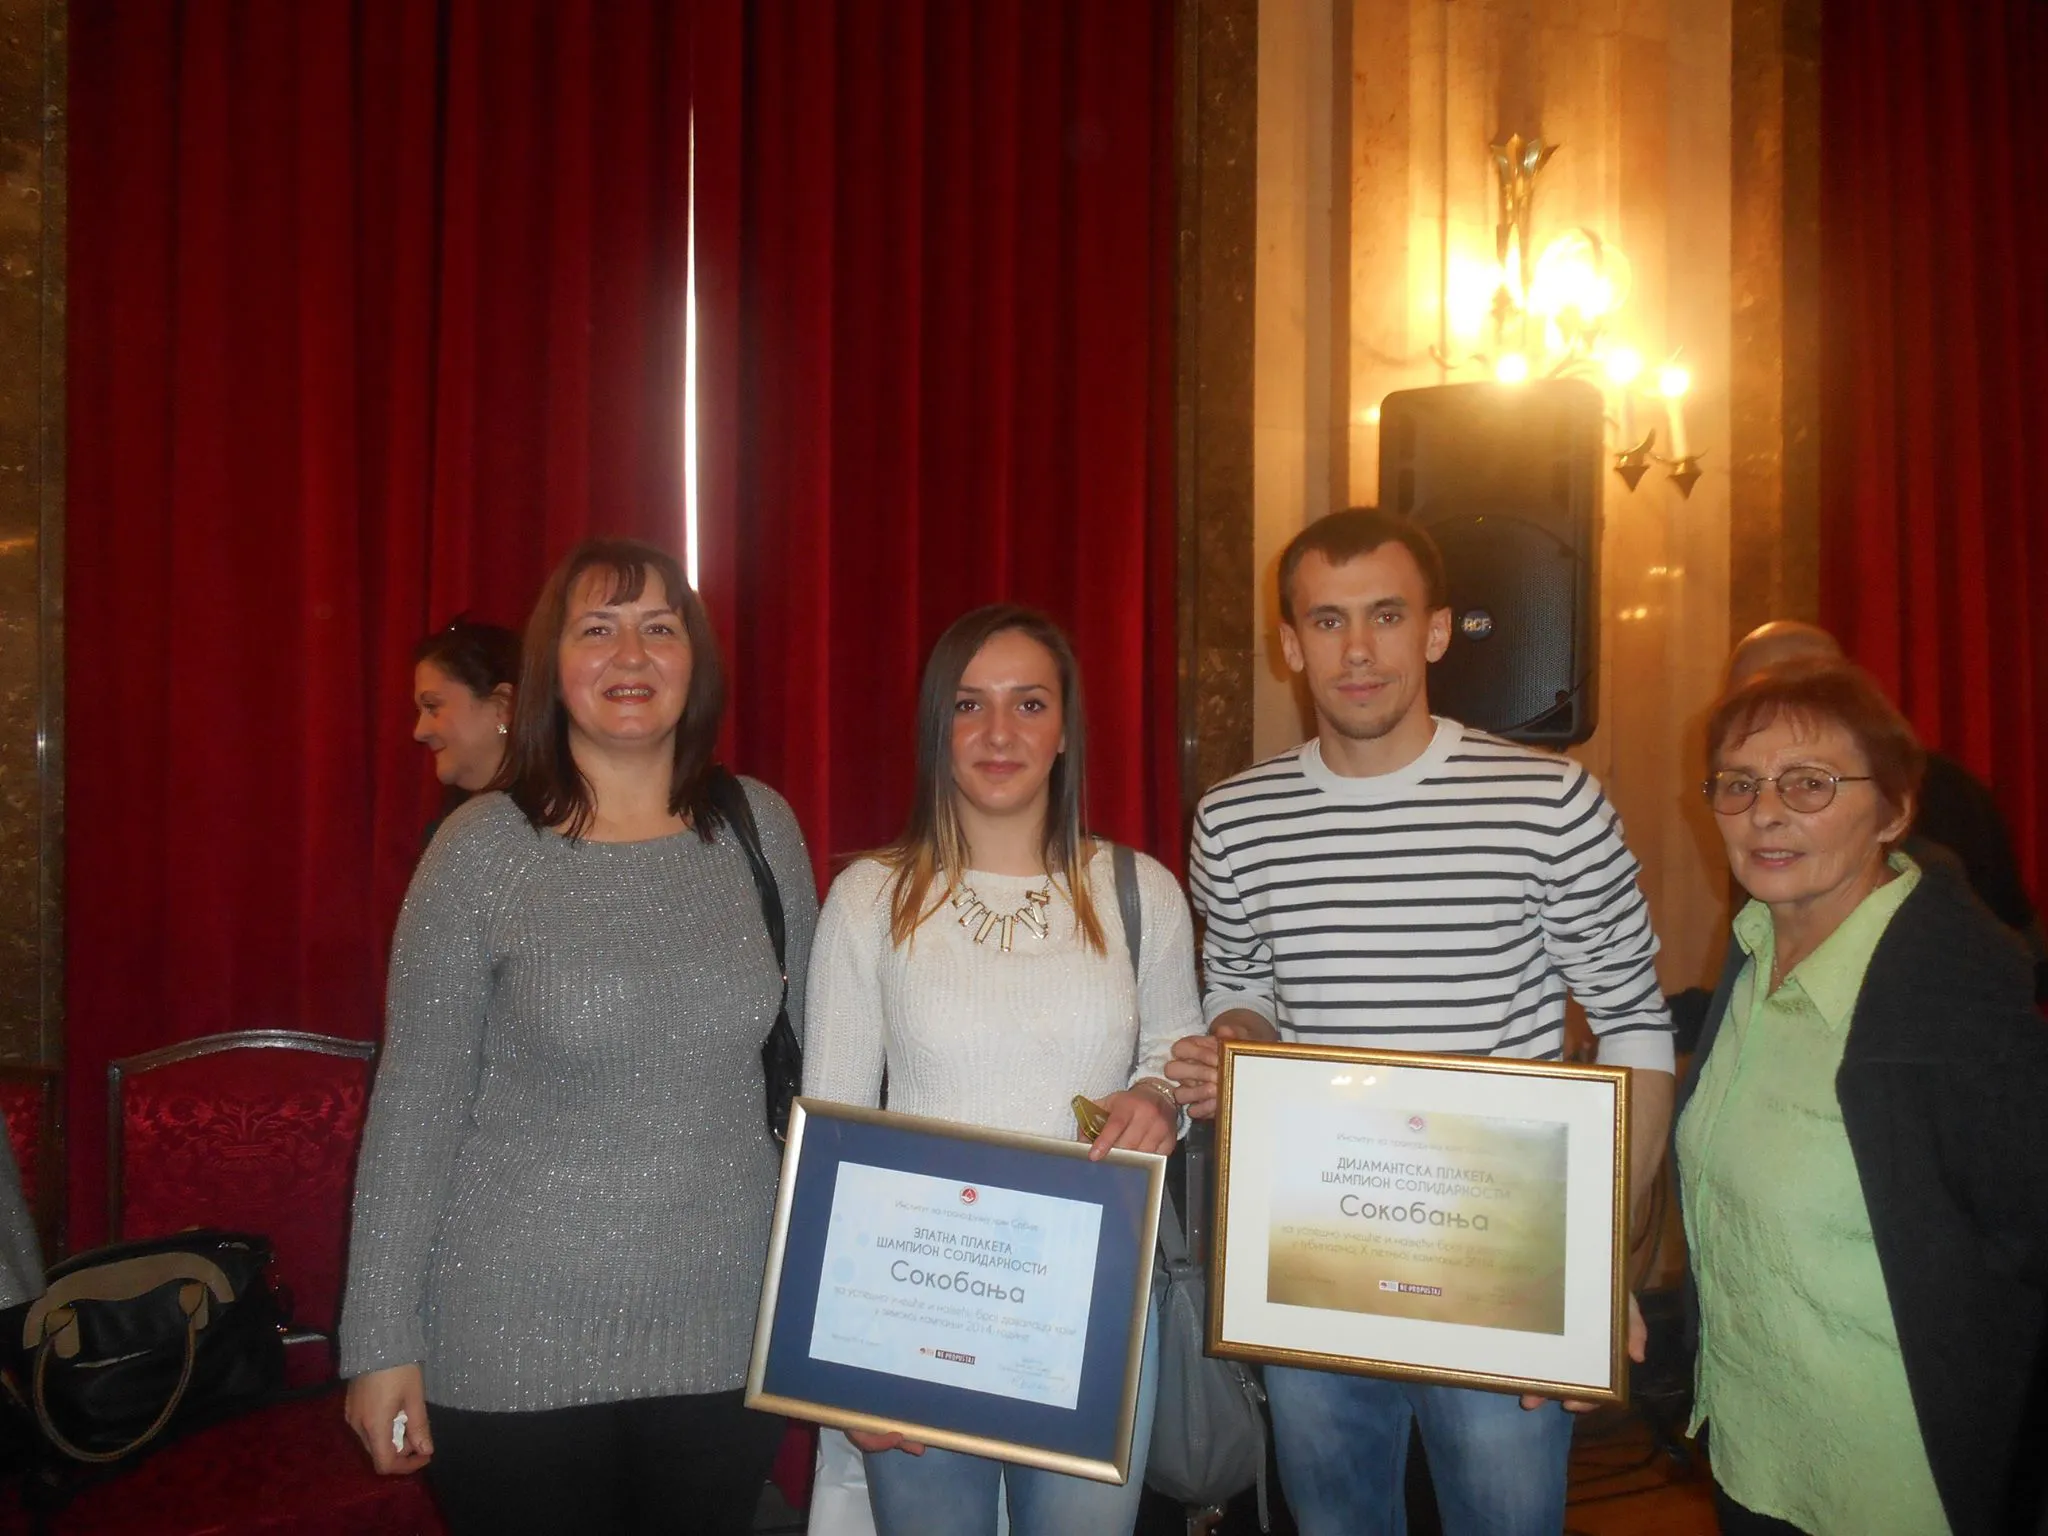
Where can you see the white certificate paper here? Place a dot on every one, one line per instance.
(972, 1286)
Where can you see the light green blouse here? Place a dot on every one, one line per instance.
(1799, 1369)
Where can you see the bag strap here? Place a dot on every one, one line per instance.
(1128, 905)
(53, 1318)
(1173, 1243)
(192, 1296)
(730, 798)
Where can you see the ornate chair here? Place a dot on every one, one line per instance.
(31, 1104)
(255, 1131)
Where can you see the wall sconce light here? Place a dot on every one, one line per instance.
(1516, 161)
(1554, 314)
(1672, 383)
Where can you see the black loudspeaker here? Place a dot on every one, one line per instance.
(1507, 479)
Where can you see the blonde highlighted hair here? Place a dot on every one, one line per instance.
(931, 854)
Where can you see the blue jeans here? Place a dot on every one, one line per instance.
(947, 1493)
(1342, 1444)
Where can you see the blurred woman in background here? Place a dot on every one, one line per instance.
(462, 686)
(21, 1256)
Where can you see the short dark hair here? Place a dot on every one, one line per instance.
(481, 657)
(540, 773)
(1342, 536)
(1826, 693)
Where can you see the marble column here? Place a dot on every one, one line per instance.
(1302, 295)
(1774, 395)
(32, 139)
(1217, 54)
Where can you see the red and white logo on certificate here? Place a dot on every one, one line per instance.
(1416, 1122)
(968, 1196)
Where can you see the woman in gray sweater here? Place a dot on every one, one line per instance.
(563, 1202)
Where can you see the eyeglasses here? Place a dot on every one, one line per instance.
(1806, 790)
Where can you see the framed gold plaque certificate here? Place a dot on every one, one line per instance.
(1453, 1219)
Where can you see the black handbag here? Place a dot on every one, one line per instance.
(137, 1341)
(782, 1055)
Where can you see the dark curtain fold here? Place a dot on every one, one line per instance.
(1935, 378)
(956, 312)
(375, 308)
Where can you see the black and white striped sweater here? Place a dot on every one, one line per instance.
(1447, 906)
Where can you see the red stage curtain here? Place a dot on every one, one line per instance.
(375, 308)
(1935, 378)
(957, 389)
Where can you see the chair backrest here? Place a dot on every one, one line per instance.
(254, 1131)
(30, 1104)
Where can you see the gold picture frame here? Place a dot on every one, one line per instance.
(1461, 1220)
(834, 1344)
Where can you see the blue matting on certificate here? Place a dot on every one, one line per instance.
(1089, 1428)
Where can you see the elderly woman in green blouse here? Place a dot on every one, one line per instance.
(1862, 1148)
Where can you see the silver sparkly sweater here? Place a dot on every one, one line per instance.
(565, 1185)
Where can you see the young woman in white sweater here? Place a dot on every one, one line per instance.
(980, 961)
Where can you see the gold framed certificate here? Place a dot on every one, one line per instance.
(1453, 1219)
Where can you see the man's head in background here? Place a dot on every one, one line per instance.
(1776, 643)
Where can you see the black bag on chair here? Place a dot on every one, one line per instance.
(138, 1341)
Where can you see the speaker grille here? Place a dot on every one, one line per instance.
(1507, 479)
(1513, 589)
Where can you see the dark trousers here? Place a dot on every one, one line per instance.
(1738, 1521)
(656, 1464)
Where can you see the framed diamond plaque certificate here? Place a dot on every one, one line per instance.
(1454, 1219)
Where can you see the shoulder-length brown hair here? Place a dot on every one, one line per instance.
(539, 772)
(932, 844)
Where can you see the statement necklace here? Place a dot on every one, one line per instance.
(973, 910)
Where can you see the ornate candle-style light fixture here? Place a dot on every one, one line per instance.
(1553, 316)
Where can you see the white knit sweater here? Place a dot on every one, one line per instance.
(998, 1040)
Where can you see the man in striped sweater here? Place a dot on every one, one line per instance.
(1407, 883)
